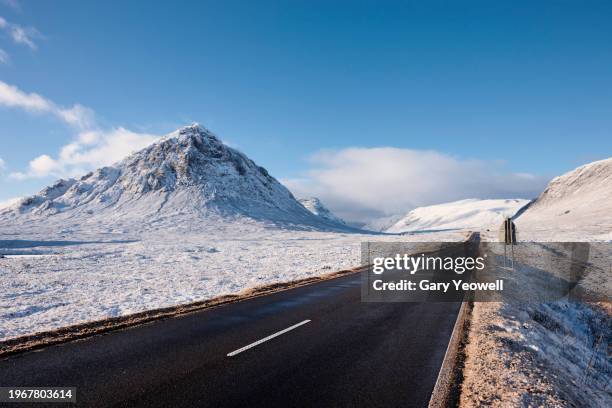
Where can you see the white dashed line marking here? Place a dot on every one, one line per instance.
(270, 337)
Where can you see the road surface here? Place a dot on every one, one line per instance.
(312, 346)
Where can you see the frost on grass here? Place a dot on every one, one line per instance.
(554, 353)
(538, 355)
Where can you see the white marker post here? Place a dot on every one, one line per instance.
(509, 237)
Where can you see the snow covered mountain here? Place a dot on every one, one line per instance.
(578, 203)
(465, 214)
(383, 223)
(186, 176)
(315, 206)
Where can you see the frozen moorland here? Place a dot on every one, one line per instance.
(185, 219)
(80, 276)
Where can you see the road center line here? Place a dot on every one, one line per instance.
(258, 342)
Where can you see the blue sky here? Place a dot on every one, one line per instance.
(515, 87)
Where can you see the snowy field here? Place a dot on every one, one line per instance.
(79, 277)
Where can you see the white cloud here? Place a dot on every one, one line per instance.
(23, 36)
(4, 57)
(12, 97)
(20, 35)
(84, 154)
(366, 183)
(92, 147)
(78, 116)
(2, 164)
(108, 147)
(42, 166)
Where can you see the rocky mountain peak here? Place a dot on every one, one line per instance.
(315, 206)
(183, 176)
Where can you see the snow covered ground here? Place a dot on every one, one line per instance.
(554, 353)
(89, 275)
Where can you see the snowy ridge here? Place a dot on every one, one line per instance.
(575, 204)
(465, 214)
(315, 206)
(188, 175)
(589, 178)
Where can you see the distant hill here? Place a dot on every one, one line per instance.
(576, 204)
(465, 214)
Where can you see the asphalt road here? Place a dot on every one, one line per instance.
(343, 353)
